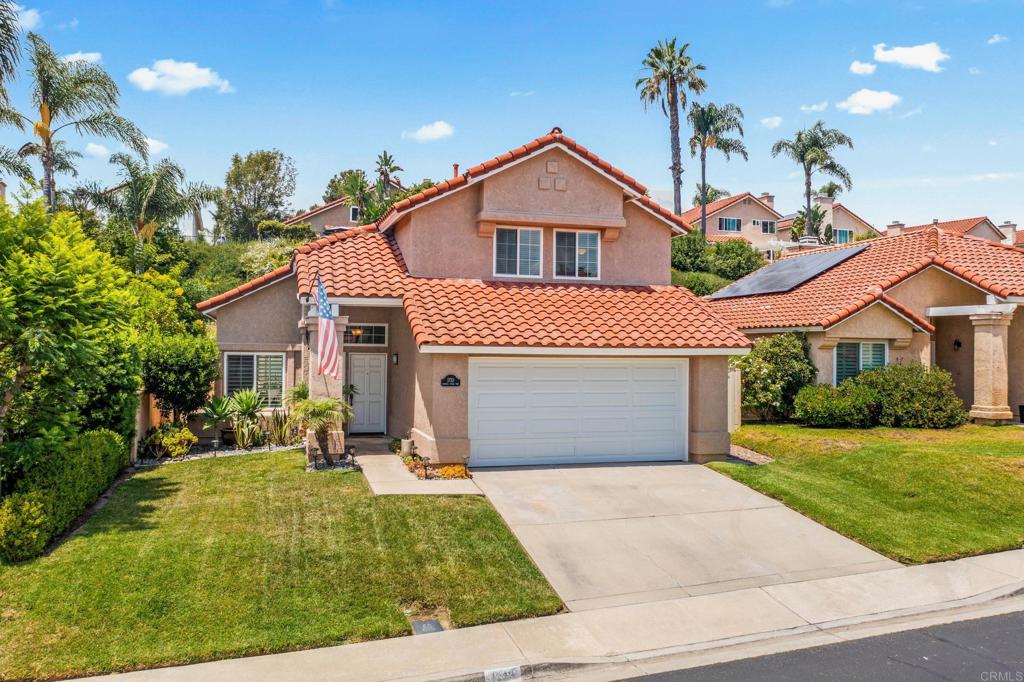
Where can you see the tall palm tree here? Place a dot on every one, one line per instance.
(73, 94)
(830, 189)
(149, 196)
(670, 74)
(63, 156)
(711, 126)
(386, 168)
(10, 161)
(355, 186)
(713, 193)
(812, 148)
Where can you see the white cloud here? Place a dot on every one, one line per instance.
(974, 71)
(809, 108)
(771, 122)
(992, 143)
(91, 57)
(926, 57)
(171, 77)
(913, 112)
(996, 39)
(522, 93)
(156, 147)
(862, 68)
(97, 150)
(438, 130)
(69, 25)
(28, 19)
(865, 102)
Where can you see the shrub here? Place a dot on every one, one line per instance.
(246, 404)
(179, 370)
(911, 395)
(690, 252)
(773, 372)
(279, 428)
(700, 283)
(733, 259)
(248, 433)
(263, 256)
(56, 490)
(275, 229)
(169, 440)
(849, 405)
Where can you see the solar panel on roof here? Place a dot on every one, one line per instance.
(787, 274)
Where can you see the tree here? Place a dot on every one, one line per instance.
(812, 148)
(69, 94)
(376, 205)
(774, 371)
(10, 50)
(733, 259)
(335, 186)
(690, 252)
(711, 126)
(256, 188)
(149, 196)
(670, 73)
(713, 193)
(356, 187)
(830, 189)
(799, 227)
(64, 157)
(179, 370)
(386, 169)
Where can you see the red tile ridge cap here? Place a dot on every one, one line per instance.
(908, 313)
(335, 237)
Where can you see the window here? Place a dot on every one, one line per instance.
(517, 252)
(843, 236)
(853, 358)
(577, 254)
(263, 372)
(729, 224)
(767, 226)
(353, 214)
(366, 335)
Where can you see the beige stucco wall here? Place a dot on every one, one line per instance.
(747, 211)
(442, 239)
(336, 216)
(709, 407)
(935, 287)
(1016, 363)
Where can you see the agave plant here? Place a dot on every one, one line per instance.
(248, 433)
(320, 416)
(279, 427)
(216, 412)
(246, 405)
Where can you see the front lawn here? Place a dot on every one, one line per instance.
(913, 495)
(247, 555)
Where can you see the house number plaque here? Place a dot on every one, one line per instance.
(450, 380)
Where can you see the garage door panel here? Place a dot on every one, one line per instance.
(501, 452)
(554, 425)
(655, 399)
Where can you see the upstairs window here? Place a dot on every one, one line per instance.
(843, 236)
(853, 358)
(517, 252)
(767, 226)
(353, 214)
(577, 254)
(263, 372)
(729, 224)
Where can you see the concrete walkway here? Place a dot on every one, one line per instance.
(608, 535)
(813, 609)
(387, 475)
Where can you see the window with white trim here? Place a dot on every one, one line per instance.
(729, 224)
(767, 226)
(353, 214)
(366, 335)
(852, 358)
(843, 236)
(517, 251)
(263, 372)
(577, 254)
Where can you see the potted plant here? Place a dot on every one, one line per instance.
(321, 416)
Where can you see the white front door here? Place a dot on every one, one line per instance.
(574, 410)
(368, 372)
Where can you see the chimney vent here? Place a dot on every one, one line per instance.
(767, 199)
(935, 221)
(455, 170)
(894, 228)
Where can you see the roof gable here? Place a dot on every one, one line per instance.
(690, 216)
(960, 226)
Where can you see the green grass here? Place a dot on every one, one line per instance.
(913, 495)
(246, 555)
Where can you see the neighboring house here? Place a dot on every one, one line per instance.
(519, 313)
(933, 296)
(742, 216)
(337, 214)
(847, 226)
(975, 227)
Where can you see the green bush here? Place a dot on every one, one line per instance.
(179, 371)
(690, 252)
(776, 368)
(911, 395)
(169, 440)
(56, 490)
(733, 259)
(275, 229)
(700, 283)
(848, 405)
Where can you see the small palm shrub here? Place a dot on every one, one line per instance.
(296, 394)
(218, 410)
(321, 415)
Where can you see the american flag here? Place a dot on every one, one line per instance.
(327, 340)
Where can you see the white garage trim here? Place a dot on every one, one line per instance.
(536, 410)
(605, 352)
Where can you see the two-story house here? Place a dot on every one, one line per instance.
(518, 313)
(339, 214)
(847, 226)
(742, 216)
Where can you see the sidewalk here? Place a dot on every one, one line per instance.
(638, 631)
(386, 474)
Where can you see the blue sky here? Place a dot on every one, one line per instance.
(333, 83)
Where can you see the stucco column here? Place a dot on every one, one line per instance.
(991, 377)
(321, 386)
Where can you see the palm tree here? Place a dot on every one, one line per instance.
(63, 156)
(386, 168)
(713, 193)
(321, 416)
(830, 189)
(73, 94)
(711, 125)
(355, 186)
(812, 148)
(148, 196)
(670, 74)
(10, 161)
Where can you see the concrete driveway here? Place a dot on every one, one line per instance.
(607, 535)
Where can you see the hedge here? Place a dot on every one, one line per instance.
(700, 283)
(56, 490)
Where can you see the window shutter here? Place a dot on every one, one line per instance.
(872, 355)
(847, 361)
(240, 373)
(270, 378)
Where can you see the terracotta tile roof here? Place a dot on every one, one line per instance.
(692, 215)
(357, 262)
(960, 226)
(727, 238)
(252, 285)
(554, 137)
(865, 278)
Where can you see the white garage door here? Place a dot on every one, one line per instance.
(558, 411)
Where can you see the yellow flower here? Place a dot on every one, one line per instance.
(179, 291)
